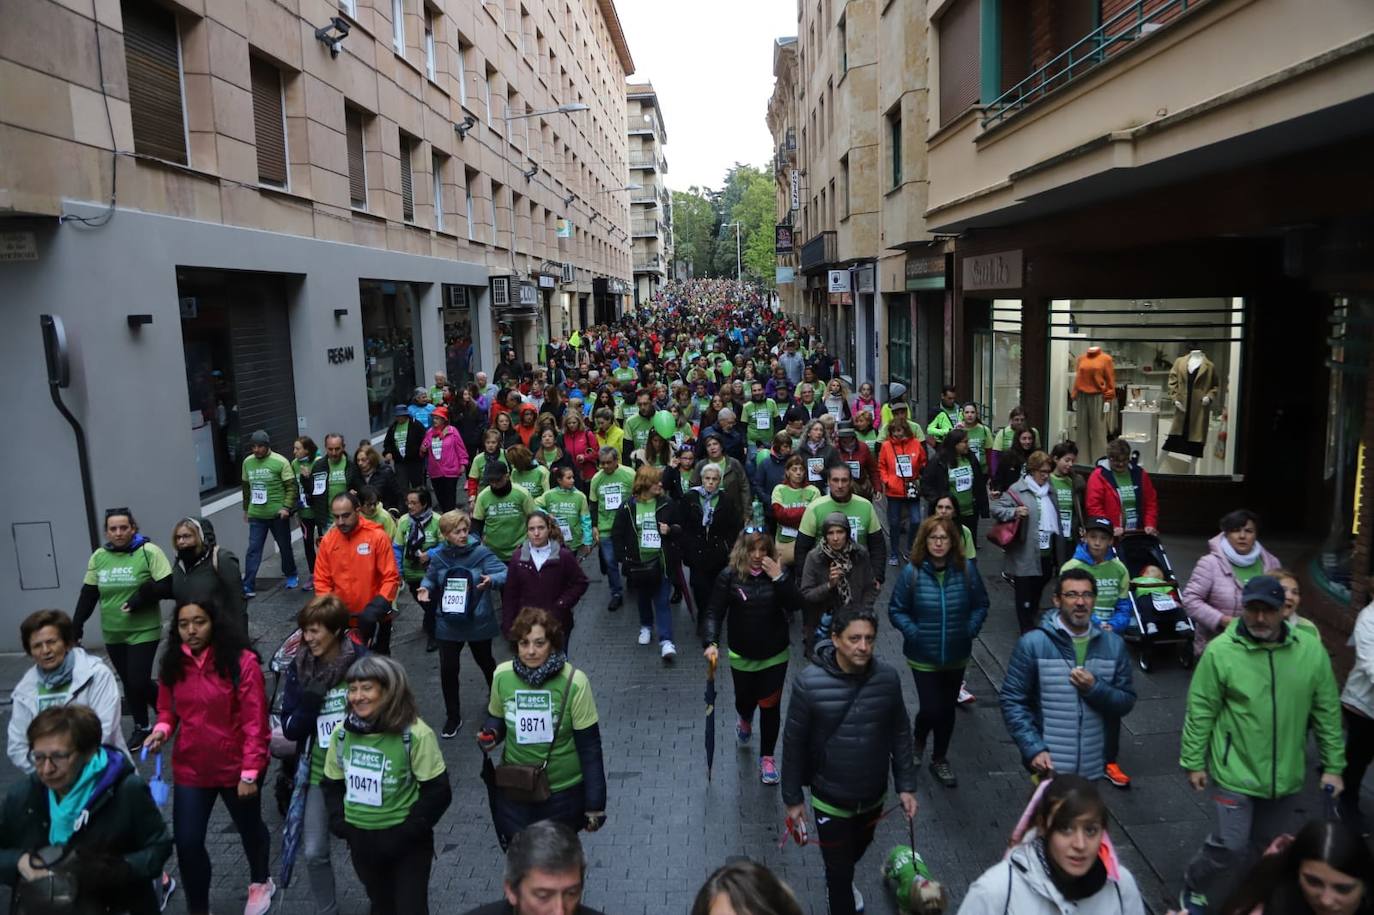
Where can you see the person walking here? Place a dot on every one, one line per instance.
(331, 476)
(202, 571)
(445, 459)
(1120, 489)
(386, 787)
(847, 726)
(1068, 488)
(641, 535)
(417, 532)
(543, 711)
(380, 477)
(1357, 707)
(129, 628)
(401, 448)
(544, 862)
(864, 526)
(1255, 693)
(901, 461)
(837, 575)
(356, 562)
(1212, 596)
(1065, 679)
(569, 511)
(608, 492)
(1033, 554)
(790, 499)
(211, 699)
(500, 510)
(755, 597)
(543, 573)
(304, 454)
(956, 472)
(939, 605)
(734, 482)
(459, 579)
(707, 524)
(269, 493)
(1326, 868)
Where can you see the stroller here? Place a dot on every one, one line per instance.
(1155, 602)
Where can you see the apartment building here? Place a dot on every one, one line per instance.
(1184, 186)
(284, 216)
(651, 225)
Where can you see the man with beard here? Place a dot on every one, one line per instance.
(355, 561)
(760, 417)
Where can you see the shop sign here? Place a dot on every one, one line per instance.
(20, 246)
(547, 282)
(838, 281)
(340, 354)
(992, 271)
(565, 228)
(796, 190)
(785, 275)
(864, 279)
(925, 272)
(529, 295)
(782, 239)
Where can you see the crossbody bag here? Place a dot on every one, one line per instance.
(526, 783)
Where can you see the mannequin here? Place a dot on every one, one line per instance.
(1193, 386)
(1094, 389)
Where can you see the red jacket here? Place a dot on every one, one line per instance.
(894, 486)
(1104, 501)
(224, 730)
(357, 567)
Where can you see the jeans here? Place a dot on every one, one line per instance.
(280, 529)
(134, 665)
(315, 850)
(843, 842)
(938, 691)
(913, 509)
(1245, 827)
(450, 665)
(654, 608)
(611, 566)
(191, 808)
(395, 883)
(510, 817)
(1359, 752)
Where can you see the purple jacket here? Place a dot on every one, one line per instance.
(557, 587)
(1212, 595)
(453, 454)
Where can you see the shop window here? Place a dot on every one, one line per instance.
(1173, 367)
(1346, 452)
(899, 368)
(389, 319)
(997, 363)
(459, 350)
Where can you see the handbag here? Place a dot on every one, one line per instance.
(525, 783)
(1004, 533)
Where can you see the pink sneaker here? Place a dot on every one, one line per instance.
(260, 897)
(768, 771)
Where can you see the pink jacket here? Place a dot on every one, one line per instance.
(581, 448)
(224, 731)
(453, 454)
(1212, 595)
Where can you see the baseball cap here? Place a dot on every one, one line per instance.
(1099, 524)
(1264, 589)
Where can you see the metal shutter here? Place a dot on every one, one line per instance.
(407, 181)
(260, 342)
(357, 170)
(269, 122)
(154, 63)
(958, 29)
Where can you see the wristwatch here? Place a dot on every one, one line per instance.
(248, 780)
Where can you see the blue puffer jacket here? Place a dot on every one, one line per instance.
(938, 621)
(472, 560)
(1044, 711)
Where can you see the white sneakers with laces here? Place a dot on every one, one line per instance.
(644, 635)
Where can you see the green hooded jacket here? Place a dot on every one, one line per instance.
(1248, 710)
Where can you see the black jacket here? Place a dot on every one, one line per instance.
(213, 577)
(388, 487)
(935, 482)
(731, 442)
(706, 550)
(470, 426)
(845, 757)
(758, 609)
(320, 504)
(625, 533)
(415, 437)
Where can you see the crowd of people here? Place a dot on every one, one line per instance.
(708, 453)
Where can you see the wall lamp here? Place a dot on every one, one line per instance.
(137, 321)
(464, 126)
(567, 201)
(530, 172)
(331, 40)
(340, 314)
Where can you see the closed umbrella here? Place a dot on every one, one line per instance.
(710, 717)
(293, 827)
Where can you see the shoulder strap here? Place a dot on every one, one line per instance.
(562, 714)
(214, 557)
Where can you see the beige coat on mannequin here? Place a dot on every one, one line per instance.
(1205, 385)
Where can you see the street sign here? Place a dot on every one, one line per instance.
(838, 281)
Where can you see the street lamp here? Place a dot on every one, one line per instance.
(737, 260)
(561, 109)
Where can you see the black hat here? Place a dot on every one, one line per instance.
(1099, 524)
(494, 471)
(845, 427)
(1264, 589)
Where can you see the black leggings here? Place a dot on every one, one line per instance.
(450, 664)
(1028, 590)
(445, 492)
(843, 842)
(309, 531)
(761, 689)
(394, 883)
(134, 664)
(938, 691)
(427, 623)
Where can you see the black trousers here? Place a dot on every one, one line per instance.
(310, 531)
(761, 689)
(843, 842)
(426, 624)
(397, 883)
(445, 492)
(450, 664)
(1028, 590)
(1359, 752)
(134, 665)
(938, 691)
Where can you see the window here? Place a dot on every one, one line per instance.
(496, 221)
(486, 88)
(269, 122)
(844, 186)
(357, 162)
(398, 26)
(899, 349)
(436, 181)
(958, 49)
(894, 142)
(152, 51)
(349, 6)
(431, 62)
(844, 47)
(407, 179)
(469, 176)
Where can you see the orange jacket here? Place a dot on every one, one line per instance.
(893, 485)
(357, 567)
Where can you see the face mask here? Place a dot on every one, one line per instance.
(189, 555)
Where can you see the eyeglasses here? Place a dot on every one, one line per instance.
(42, 759)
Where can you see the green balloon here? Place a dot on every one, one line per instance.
(727, 368)
(664, 424)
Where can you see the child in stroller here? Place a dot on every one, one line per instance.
(1159, 616)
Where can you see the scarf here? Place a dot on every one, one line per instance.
(1049, 512)
(359, 725)
(538, 676)
(325, 674)
(61, 675)
(845, 559)
(415, 537)
(709, 501)
(1072, 888)
(63, 814)
(137, 541)
(1244, 560)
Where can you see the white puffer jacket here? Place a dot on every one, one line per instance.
(1020, 885)
(1359, 687)
(93, 685)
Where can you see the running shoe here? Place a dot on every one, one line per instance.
(743, 731)
(292, 582)
(858, 898)
(1117, 776)
(249, 595)
(944, 773)
(920, 752)
(137, 736)
(617, 601)
(451, 729)
(309, 585)
(667, 651)
(768, 771)
(260, 897)
(965, 697)
(893, 561)
(164, 887)
(645, 634)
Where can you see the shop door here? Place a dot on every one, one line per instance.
(388, 338)
(899, 354)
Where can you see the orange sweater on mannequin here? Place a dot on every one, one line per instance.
(1096, 374)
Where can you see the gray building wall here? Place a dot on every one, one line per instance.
(128, 388)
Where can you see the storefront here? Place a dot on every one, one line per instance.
(460, 351)
(921, 324)
(390, 313)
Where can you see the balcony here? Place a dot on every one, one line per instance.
(645, 195)
(645, 228)
(819, 252)
(646, 163)
(645, 124)
(651, 264)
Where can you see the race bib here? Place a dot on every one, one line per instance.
(763, 421)
(455, 598)
(787, 532)
(612, 496)
(363, 776)
(814, 466)
(853, 469)
(963, 479)
(1044, 539)
(1163, 602)
(321, 480)
(331, 716)
(1132, 519)
(649, 538)
(533, 716)
(53, 700)
(258, 494)
(854, 528)
(401, 445)
(436, 448)
(566, 530)
(904, 465)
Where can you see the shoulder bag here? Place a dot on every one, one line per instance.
(524, 783)
(1004, 533)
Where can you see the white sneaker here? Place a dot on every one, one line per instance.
(667, 650)
(858, 898)
(965, 697)
(644, 635)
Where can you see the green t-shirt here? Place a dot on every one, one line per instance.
(760, 420)
(863, 520)
(333, 710)
(1080, 648)
(269, 485)
(569, 508)
(637, 429)
(382, 518)
(380, 783)
(869, 438)
(1245, 573)
(479, 466)
(532, 720)
(788, 497)
(299, 467)
(399, 430)
(978, 438)
(623, 374)
(1130, 511)
(534, 481)
(646, 526)
(961, 485)
(609, 492)
(503, 519)
(338, 480)
(1113, 583)
(118, 575)
(1062, 490)
(432, 538)
(970, 551)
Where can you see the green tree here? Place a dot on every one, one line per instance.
(755, 214)
(694, 229)
(737, 181)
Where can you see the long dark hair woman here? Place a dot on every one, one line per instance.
(1326, 869)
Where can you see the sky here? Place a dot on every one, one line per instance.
(711, 62)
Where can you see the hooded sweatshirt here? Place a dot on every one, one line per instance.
(1113, 605)
(1020, 883)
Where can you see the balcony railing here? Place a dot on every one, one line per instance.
(1138, 20)
(652, 163)
(647, 264)
(820, 250)
(644, 228)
